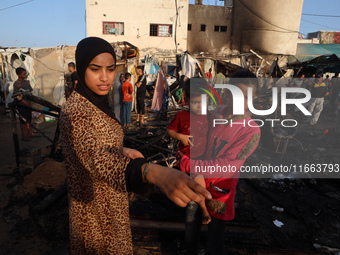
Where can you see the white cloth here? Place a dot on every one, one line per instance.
(59, 92)
(188, 65)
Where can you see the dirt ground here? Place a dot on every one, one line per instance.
(311, 207)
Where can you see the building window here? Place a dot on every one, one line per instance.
(189, 27)
(113, 28)
(223, 28)
(203, 27)
(160, 30)
(220, 28)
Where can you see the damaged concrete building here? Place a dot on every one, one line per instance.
(177, 26)
(209, 28)
(232, 33)
(148, 24)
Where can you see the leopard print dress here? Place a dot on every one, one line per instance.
(98, 201)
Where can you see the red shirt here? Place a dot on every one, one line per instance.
(127, 91)
(188, 123)
(226, 146)
(209, 75)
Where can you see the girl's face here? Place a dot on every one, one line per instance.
(99, 75)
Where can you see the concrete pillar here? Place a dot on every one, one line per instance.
(266, 25)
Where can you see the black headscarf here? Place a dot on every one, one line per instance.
(87, 50)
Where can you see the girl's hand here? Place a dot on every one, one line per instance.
(177, 186)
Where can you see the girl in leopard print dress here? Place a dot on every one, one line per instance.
(100, 171)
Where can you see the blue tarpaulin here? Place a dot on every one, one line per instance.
(307, 52)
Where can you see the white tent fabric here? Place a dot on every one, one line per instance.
(59, 92)
(188, 65)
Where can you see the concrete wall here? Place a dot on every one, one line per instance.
(266, 25)
(137, 17)
(211, 16)
(305, 41)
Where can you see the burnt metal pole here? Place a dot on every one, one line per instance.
(55, 140)
(41, 101)
(15, 131)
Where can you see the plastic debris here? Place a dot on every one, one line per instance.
(278, 223)
(278, 209)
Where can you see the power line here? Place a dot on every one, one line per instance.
(321, 15)
(16, 5)
(319, 24)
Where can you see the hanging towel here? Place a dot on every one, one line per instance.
(157, 100)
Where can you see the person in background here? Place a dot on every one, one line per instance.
(219, 78)
(297, 83)
(118, 96)
(185, 124)
(100, 171)
(227, 145)
(335, 84)
(327, 81)
(141, 91)
(74, 76)
(177, 89)
(209, 76)
(166, 96)
(329, 88)
(23, 83)
(318, 93)
(127, 92)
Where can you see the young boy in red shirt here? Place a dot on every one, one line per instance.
(180, 129)
(127, 91)
(227, 145)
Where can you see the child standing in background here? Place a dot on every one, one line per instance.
(127, 91)
(23, 83)
(180, 129)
